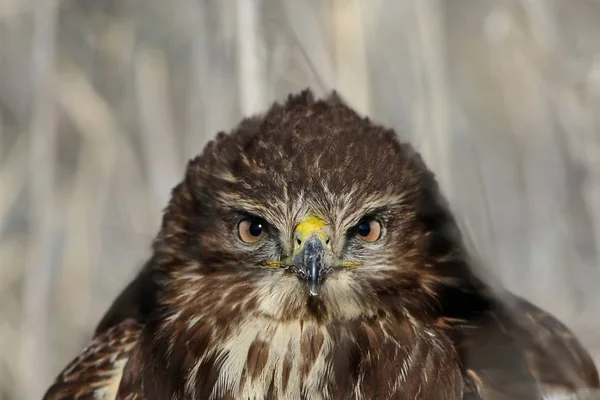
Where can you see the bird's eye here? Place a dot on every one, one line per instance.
(251, 230)
(369, 229)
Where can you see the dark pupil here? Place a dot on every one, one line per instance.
(364, 228)
(256, 228)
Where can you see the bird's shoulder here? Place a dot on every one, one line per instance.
(555, 355)
(518, 351)
(96, 372)
(136, 301)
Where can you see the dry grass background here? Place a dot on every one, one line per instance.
(103, 101)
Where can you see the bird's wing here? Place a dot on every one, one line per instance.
(135, 301)
(96, 372)
(522, 352)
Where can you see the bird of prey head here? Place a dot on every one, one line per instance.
(310, 212)
(309, 254)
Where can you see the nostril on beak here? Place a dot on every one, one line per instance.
(298, 240)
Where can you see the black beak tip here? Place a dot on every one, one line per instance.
(311, 258)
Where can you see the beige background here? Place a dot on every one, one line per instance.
(103, 101)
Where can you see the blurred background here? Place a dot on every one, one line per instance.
(102, 102)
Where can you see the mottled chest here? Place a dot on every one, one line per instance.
(264, 359)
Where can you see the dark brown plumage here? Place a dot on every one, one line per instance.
(309, 254)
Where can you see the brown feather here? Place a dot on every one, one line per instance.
(96, 372)
(411, 320)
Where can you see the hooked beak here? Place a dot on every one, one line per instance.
(310, 253)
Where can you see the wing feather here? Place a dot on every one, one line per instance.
(96, 372)
(523, 352)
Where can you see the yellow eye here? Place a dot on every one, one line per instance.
(369, 230)
(251, 230)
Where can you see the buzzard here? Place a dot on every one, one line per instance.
(309, 254)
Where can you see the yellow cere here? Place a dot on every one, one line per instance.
(311, 226)
(274, 264)
(351, 264)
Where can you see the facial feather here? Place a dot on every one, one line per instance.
(232, 318)
(260, 331)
